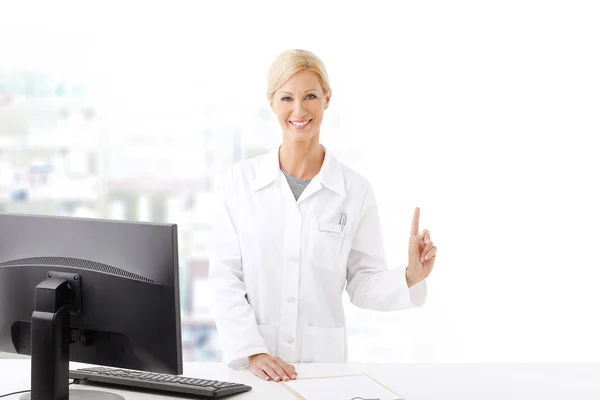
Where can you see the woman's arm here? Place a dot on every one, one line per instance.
(370, 284)
(234, 317)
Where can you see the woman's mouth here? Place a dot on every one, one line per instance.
(300, 124)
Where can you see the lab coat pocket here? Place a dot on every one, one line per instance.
(324, 345)
(328, 245)
(269, 334)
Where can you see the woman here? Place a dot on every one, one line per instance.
(295, 228)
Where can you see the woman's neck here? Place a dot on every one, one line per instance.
(302, 160)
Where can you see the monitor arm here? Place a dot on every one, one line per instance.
(50, 339)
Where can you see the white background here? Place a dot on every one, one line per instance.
(484, 114)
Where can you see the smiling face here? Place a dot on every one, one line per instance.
(299, 105)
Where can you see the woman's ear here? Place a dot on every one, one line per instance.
(327, 98)
(270, 103)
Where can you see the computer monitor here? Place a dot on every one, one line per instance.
(94, 291)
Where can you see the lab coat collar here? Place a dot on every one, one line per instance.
(268, 170)
(330, 176)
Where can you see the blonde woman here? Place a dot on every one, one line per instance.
(295, 228)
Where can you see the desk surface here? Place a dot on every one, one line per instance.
(413, 381)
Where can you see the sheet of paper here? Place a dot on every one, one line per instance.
(341, 388)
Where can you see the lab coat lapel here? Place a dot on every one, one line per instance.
(313, 187)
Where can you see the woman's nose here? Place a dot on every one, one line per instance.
(299, 110)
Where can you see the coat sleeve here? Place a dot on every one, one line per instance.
(370, 283)
(234, 317)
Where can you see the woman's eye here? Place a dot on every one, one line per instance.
(308, 97)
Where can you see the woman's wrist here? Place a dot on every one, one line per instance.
(253, 356)
(410, 280)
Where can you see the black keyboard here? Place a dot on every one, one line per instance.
(173, 384)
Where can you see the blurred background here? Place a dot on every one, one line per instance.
(484, 114)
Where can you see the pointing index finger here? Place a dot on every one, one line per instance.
(415, 222)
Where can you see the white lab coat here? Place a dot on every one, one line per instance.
(278, 267)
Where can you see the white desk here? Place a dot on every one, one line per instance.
(413, 381)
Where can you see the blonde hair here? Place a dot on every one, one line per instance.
(291, 62)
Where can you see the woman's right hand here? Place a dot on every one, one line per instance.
(269, 368)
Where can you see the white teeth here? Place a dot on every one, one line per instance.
(299, 123)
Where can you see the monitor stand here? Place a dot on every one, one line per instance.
(55, 299)
(76, 394)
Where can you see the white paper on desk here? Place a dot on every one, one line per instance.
(341, 388)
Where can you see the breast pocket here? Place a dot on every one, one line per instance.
(329, 245)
